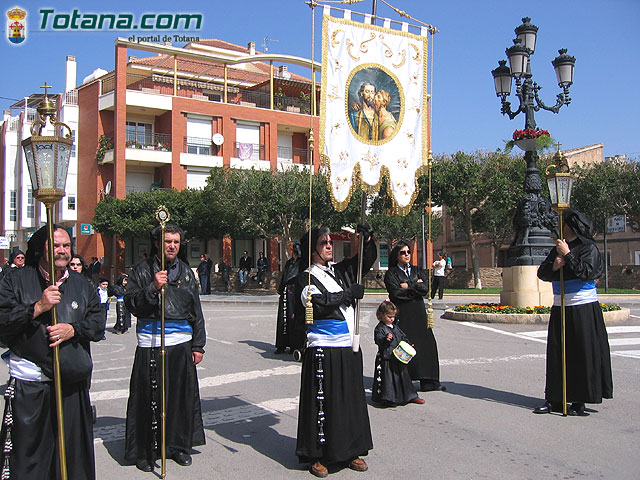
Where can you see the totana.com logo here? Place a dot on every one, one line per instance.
(16, 25)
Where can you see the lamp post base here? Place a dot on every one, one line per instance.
(521, 287)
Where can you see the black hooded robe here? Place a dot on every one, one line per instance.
(34, 455)
(589, 378)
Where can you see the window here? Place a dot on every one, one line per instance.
(139, 134)
(73, 145)
(199, 136)
(31, 205)
(247, 141)
(13, 206)
(71, 203)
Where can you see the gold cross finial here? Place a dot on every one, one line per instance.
(45, 86)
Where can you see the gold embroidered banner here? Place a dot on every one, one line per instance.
(373, 109)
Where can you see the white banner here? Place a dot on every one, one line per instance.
(374, 109)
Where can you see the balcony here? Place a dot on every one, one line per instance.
(295, 155)
(200, 152)
(151, 149)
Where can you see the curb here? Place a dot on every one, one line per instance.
(610, 318)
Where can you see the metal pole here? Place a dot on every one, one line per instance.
(606, 259)
(356, 333)
(424, 246)
(57, 381)
(162, 215)
(562, 334)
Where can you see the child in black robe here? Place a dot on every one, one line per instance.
(392, 384)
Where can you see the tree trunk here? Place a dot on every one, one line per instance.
(477, 281)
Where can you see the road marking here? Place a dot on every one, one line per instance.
(115, 433)
(209, 381)
(219, 341)
(627, 353)
(623, 329)
(485, 360)
(502, 332)
(624, 341)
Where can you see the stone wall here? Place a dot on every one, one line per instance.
(622, 276)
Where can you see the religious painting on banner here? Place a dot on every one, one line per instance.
(374, 109)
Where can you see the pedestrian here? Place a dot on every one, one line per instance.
(223, 269)
(103, 293)
(261, 265)
(333, 422)
(438, 276)
(209, 269)
(29, 437)
(286, 290)
(94, 269)
(123, 316)
(246, 263)
(407, 286)
(185, 339)
(588, 360)
(204, 274)
(16, 260)
(78, 265)
(392, 384)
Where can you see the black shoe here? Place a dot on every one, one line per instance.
(181, 457)
(548, 407)
(144, 465)
(431, 385)
(577, 410)
(94, 414)
(279, 350)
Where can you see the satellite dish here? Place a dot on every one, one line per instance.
(107, 188)
(217, 139)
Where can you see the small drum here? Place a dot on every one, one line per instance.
(404, 352)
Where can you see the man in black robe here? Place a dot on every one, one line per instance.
(333, 422)
(29, 447)
(588, 368)
(185, 338)
(286, 289)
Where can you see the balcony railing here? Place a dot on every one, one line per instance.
(200, 146)
(213, 92)
(298, 155)
(155, 141)
(248, 151)
(71, 97)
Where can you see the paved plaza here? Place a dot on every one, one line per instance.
(481, 427)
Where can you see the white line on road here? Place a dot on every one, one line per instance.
(624, 341)
(477, 361)
(219, 341)
(502, 332)
(114, 433)
(627, 353)
(209, 381)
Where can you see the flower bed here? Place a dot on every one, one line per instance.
(505, 309)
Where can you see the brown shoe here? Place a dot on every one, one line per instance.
(358, 464)
(318, 469)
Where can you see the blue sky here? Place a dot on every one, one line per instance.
(602, 35)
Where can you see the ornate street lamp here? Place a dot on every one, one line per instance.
(534, 217)
(48, 162)
(560, 185)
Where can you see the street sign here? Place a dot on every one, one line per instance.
(616, 224)
(86, 229)
(4, 243)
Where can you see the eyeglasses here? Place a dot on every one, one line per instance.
(405, 252)
(20, 257)
(326, 242)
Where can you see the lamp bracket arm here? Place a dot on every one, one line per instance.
(560, 101)
(506, 109)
